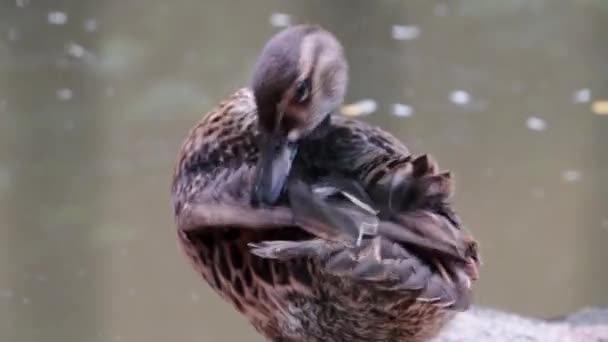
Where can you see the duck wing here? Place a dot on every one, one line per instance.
(408, 191)
(351, 241)
(382, 215)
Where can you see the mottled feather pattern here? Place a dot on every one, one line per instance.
(224, 136)
(358, 149)
(283, 287)
(384, 259)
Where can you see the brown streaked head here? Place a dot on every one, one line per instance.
(300, 78)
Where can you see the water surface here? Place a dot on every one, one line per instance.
(95, 98)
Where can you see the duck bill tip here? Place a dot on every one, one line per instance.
(274, 165)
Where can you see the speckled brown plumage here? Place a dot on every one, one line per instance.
(274, 263)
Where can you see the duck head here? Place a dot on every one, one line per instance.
(299, 80)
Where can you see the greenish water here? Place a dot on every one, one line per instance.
(95, 98)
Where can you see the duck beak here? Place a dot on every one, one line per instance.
(276, 157)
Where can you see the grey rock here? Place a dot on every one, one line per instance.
(482, 324)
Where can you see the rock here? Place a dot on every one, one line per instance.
(482, 324)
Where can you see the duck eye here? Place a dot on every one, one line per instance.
(302, 90)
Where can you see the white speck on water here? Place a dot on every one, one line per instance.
(12, 34)
(132, 292)
(90, 25)
(57, 18)
(3, 105)
(64, 94)
(405, 32)
(460, 97)
(21, 3)
(367, 106)
(75, 50)
(440, 10)
(362, 107)
(582, 95)
(195, 297)
(6, 294)
(536, 124)
(124, 251)
(571, 176)
(280, 20)
(604, 223)
(26, 300)
(117, 338)
(402, 110)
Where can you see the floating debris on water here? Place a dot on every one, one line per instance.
(90, 25)
(402, 110)
(405, 32)
(57, 18)
(600, 107)
(571, 176)
(460, 97)
(359, 108)
(26, 300)
(582, 95)
(75, 50)
(64, 94)
(536, 124)
(280, 20)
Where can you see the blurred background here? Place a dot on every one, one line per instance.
(96, 96)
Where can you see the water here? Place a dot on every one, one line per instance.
(95, 98)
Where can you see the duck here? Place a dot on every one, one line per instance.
(315, 226)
